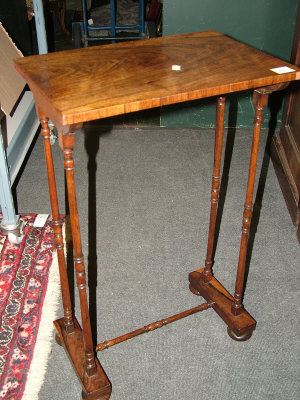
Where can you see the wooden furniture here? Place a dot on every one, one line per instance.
(286, 144)
(60, 7)
(75, 86)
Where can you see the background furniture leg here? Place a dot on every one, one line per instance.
(11, 224)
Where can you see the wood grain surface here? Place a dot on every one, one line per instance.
(96, 82)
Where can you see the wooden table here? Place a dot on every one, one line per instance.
(75, 86)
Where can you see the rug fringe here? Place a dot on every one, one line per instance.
(44, 340)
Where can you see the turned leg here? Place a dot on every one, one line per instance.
(202, 281)
(76, 341)
(240, 324)
(66, 299)
(260, 99)
(67, 142)
(207, 273)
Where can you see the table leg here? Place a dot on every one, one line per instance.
(66, 299)
(81, 350)
(68, 146)
(259, 100)
(240, 323)
(215, 190)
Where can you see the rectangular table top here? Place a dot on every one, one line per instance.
(80, 85)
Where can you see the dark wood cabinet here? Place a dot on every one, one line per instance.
(286, 144)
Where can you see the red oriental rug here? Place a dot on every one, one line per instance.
(29, 290)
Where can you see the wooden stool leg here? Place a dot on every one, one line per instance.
(260, 99)
(66, 299)
(207, 273)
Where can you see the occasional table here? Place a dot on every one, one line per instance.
(72, 87)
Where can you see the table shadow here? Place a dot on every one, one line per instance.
(92, 139)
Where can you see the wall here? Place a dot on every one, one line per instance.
(266, 25)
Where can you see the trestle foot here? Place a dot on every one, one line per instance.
(240, 327)
(96, 386)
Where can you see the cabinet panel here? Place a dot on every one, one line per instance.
(286, 145)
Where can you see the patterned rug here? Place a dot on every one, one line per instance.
(29, 290)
